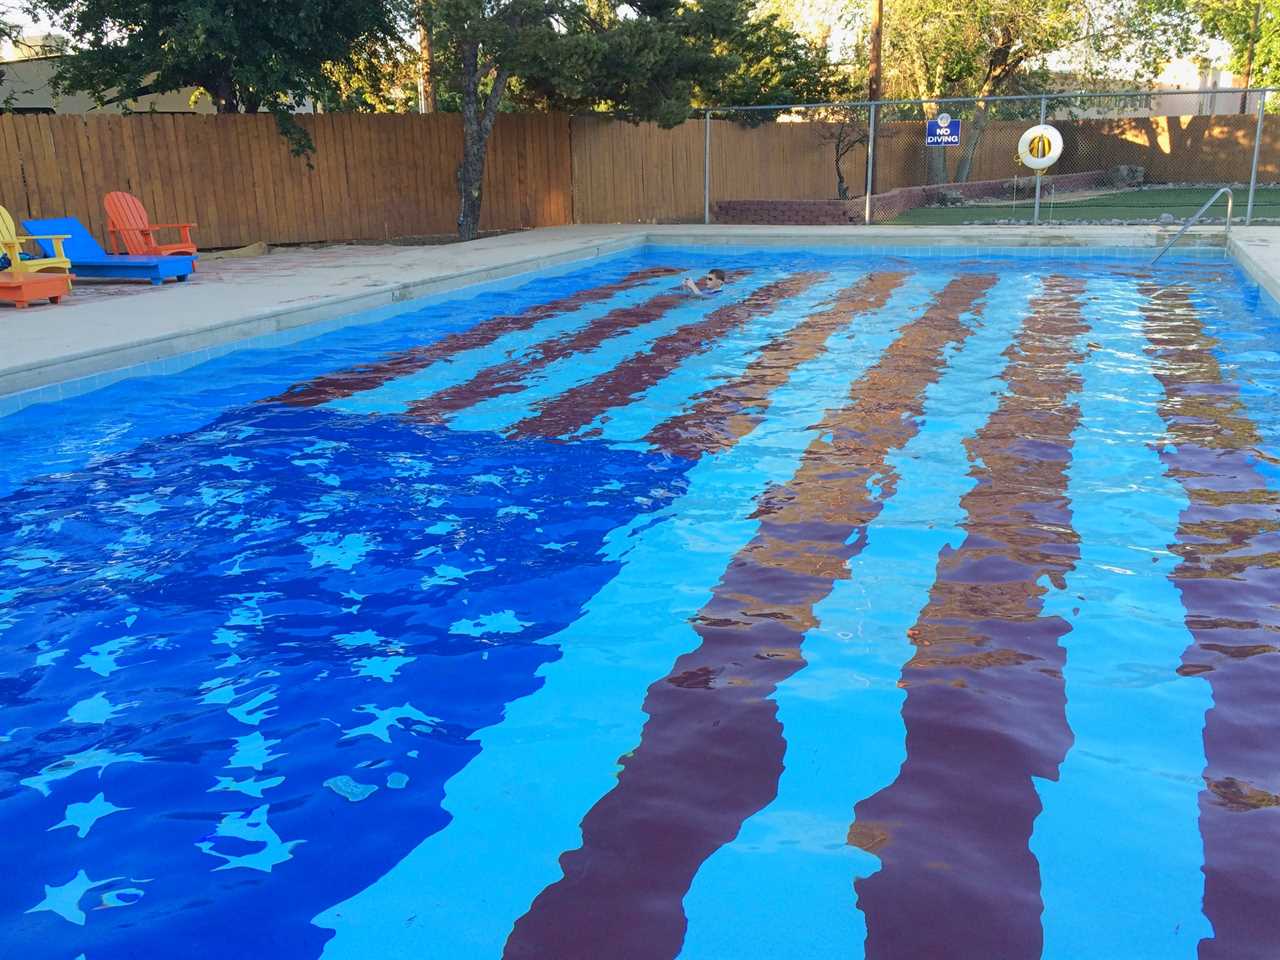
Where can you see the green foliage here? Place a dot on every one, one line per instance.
(1128, 42)
(1232, 21)
(775, 64)
(933, 48)
(814, 20)
(248, 54)
(8, 31)
(380, 77)
(652, 60)
(637, 62)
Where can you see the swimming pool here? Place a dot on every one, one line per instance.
(884, 606)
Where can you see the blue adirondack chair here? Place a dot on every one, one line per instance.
(88, 259)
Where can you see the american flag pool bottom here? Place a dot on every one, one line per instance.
(878, 606)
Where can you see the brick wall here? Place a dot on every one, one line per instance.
(824, 212)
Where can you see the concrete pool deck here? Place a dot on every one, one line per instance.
(105, 333)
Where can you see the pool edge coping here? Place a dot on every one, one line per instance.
(84, 372)
(76, 374)
(1247, 258)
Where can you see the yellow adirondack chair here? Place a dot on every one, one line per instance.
(11, 246)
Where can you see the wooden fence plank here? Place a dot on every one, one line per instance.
(376, 177)
(151, 183)
(75, 187)
(97, 166)
(35, 165)
(337, 196)
(209, 203)
(13, 186)
(116, 130)
(262, 142)
(316, 229)
(218, 194)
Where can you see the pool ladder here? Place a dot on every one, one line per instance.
(1196, 216)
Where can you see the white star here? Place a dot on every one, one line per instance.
(65, 900)
(84, 815)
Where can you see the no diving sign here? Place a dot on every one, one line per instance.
(942, 131)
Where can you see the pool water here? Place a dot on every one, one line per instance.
(878, 606)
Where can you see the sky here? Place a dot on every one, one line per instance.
(813, 18)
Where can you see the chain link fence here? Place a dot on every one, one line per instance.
(1128, 157)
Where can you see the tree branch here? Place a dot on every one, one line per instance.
(494, 100)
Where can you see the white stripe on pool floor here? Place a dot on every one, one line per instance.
(1119, 839)
(518, 804)
(784, 888)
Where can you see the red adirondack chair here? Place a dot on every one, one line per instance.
(128, 223)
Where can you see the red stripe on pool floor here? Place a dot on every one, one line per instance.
(578, 406)
(344, 383)
(510, 376)
(985, 710)
(724, 414)
(711, 752)
(1229, 577)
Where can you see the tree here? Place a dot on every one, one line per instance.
(1252, 27)
(844, 128)
(476, 44)
(428, 96)
(9, 31)
(247, 54)
(376, 77)
(639, 60)
(774, 63)
(992, 47)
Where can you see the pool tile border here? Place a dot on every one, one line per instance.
(179, 352)
(283, 327)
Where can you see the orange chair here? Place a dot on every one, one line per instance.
(21, 288)
(127, 222)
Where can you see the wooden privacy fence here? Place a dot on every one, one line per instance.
(372, 177)
(623, 173)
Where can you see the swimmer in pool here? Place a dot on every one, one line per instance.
(711, 283)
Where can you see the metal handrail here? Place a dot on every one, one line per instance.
(1196, 216)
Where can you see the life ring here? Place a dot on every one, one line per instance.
(1040, 147)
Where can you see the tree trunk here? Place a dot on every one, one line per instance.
(477, 124)
(223, 92)
(874, 45)
(936, 165)
(981, 117)
(935, 158)
(470, 181)
(427, 100)
(1248, 57)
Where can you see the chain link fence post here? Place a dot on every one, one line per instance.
(1257, 148)
(1044, 108)
(871, 164)
(706, 166)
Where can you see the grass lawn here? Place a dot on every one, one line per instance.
(1123, 205)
